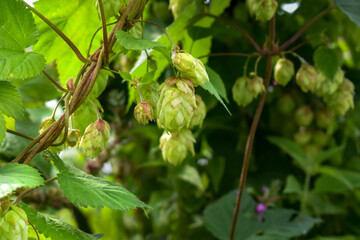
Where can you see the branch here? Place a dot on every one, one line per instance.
(93, 36)
(254, 125)
(60, 33)
(37, 234)
(19, 134)
(304, 28)
(105, 39)
(58, 85)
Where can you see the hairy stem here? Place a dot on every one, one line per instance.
(60, 33)
(56, 84)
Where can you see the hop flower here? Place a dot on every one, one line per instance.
(264, 9)
(174, 145)
(304, 115)
(241, 92)
(284, 71)
(306, 77)
(256, 85)
(73, 137)
(191, 68)
(176, 105)
(95, 138)
(13, 224)
(144, 112)
(199, 113)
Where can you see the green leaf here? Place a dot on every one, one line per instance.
(292, 185)
(191, 175)
(100, 83)
(326, 154)
(85, 115)
(18, 32)
(125, 75)
(53, 228)
(77, 20)
(95, 192)
(14, 176)
(217, 82)
(211, 89)
(2, 128)
(148, 77)
(350, 8)
(326, 61)
(336, 173)
(111, 7)
(130, 43)
(10, 101)
(293, 149)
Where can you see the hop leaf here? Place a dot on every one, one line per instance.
(241, 93)
(284, 71)
(176, 105)
(95, 138)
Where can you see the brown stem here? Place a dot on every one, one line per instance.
(105, 39)
(93, 36)
(22, 194)
(36, 232)
(254, 125)
(302, 44)
(19, 134)
(58, 85)
(230, 54)
(240, 30)
(60, 33)
(304, 28)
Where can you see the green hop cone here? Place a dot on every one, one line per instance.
(199, 113)
(45, 124)
(304, 116)
(176, 105)
(73, 137)
(174, 146)
(303, 136)
(241, 92)
(253, 6)
(265, 10)
(191, 68)
(95, 138)
(326, 86)
(324, 118)
(340, 102)
(13, 224)
(284, 71)
(256, 85)
(144, 112)
(306, 77)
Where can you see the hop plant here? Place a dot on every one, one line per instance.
(256, 85)
(174, 146)
(306, 77)
(13, 224)
(73, 137)
(144, 112)
(284, 71)
(241, 92)
(95, 138)
(199, 113)
(191, 68)
(304, 116)
(176, 105)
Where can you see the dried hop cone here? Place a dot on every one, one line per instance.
(95, 138)
(256, 85)
(13, 224)
(176, 105)
(284, 71)
(144, 112)
(265, 9)
(199, 113)
(191, 68)
(241, 92)
(306, 77)
(73, 137)
(174, 146)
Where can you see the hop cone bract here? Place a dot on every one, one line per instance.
(13, 224)
(199, 113)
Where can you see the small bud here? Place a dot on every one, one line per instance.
(176, 105)
(266, 9)
(306, 77)
(14, 224)
(199, 113)
(304, 116)
(144, 112)
(95, 138)
(190, 68)
(284, 71)
(46, 123)
(303, 136)
(73, 137)
(241, 93)
(70, 84)
(174, 146)
(256, 85)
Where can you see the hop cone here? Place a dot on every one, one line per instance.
(265, 9)
(174, 146)
(144, 112)
(73, 137)
(343, 99)
(284, 71)
(191, 68)
(304, 115)
(95, 138)
(241, 93)
(326, 86)
(177, 6)
(306, 77)
(13, 224)
(199, 113)
(45, 124)
(256, 85)
(176, 105)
